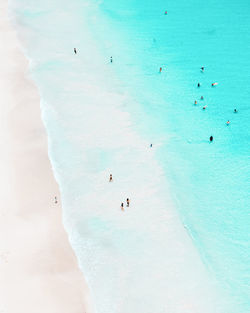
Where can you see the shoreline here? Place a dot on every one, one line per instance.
(96, 128)
(38, 267)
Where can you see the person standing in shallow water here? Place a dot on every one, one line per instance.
(127, 202)
(122, 206)
(111, 59)
(75, 50)
(211, 138)
(110, 178)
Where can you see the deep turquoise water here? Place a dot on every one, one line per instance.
(210, 182)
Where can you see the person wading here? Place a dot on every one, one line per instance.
(128, 202)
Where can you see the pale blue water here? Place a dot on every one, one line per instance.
(209, 182)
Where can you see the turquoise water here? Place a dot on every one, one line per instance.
(209, 182)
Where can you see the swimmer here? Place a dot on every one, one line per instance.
(198, 85)
(122, 206)
(160, 69)
(75, 50)
(127, 202)
(195, 102)
(211, 138)
(235, 111)
(228, 122)
(214, 84)
(202, 68)
(111, 60)
(204, 108)
(110, 178)
(202, 98)
(56, 200)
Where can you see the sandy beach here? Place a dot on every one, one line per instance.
(38, 269)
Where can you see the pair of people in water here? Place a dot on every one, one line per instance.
(122, 204)
(195, 102)
(213, 85)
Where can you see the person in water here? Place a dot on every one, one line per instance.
(198, 85)
(110, 178)
(195, 102)
(235, 111)
(151, 145)
(160, 69)
(202, 68)
(202, 98)
(228, 122)
(166, 12)
(75, 50)
(111, 59)
(204, 108)
(122, 206)
(211, 138)
(127, 202)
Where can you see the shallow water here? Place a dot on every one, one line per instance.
(101, 118)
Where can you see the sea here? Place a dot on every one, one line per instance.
(179, 75)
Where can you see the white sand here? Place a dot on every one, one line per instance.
(38, 269)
